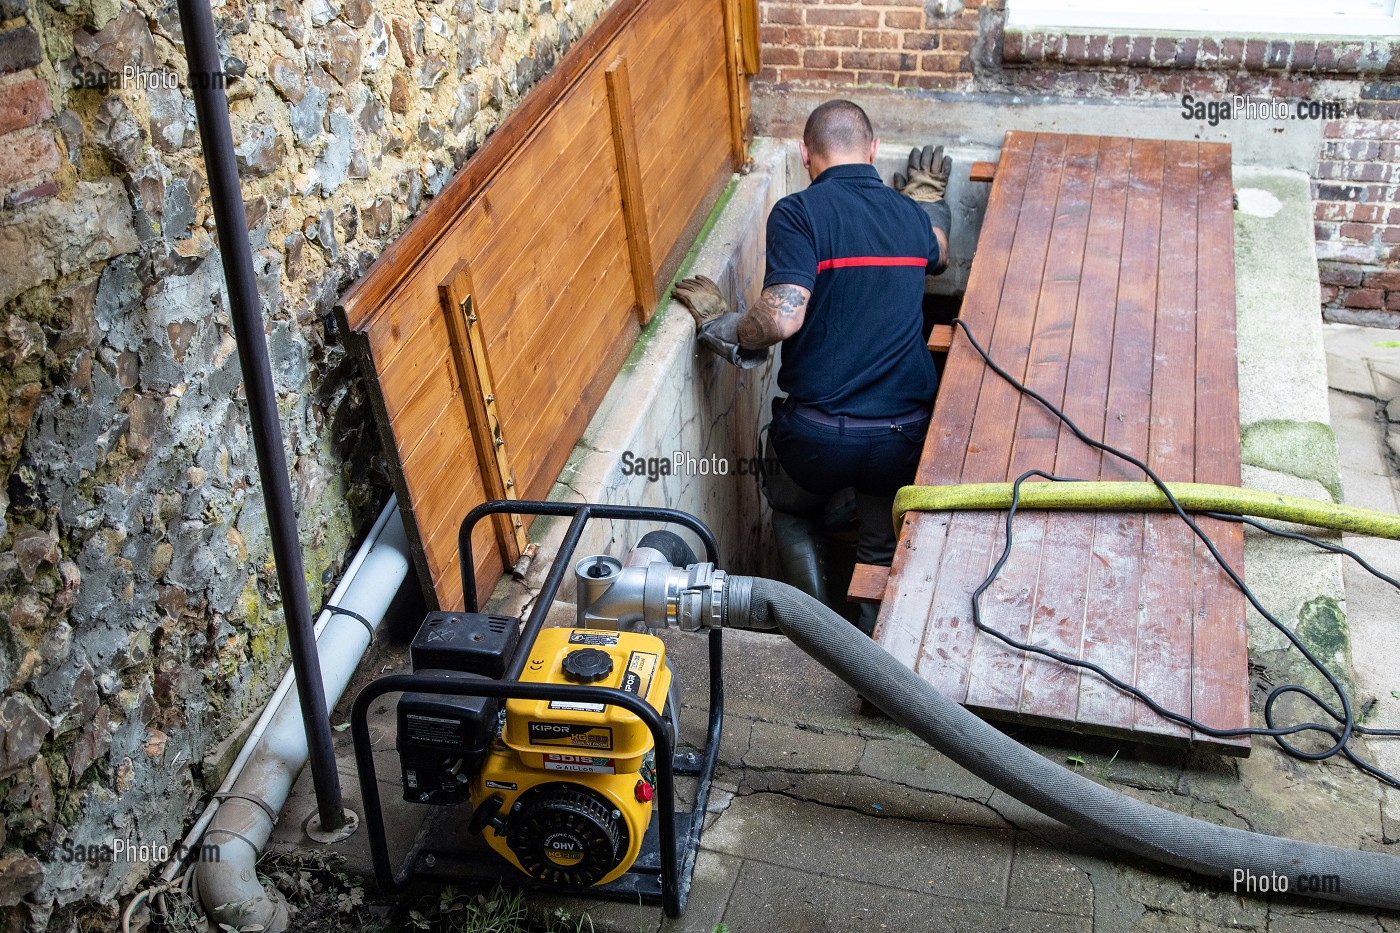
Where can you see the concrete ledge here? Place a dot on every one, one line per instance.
(1287, 441)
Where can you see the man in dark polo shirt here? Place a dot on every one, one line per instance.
(844, 294)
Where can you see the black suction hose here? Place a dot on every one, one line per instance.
(1366, 878)
(672, 545)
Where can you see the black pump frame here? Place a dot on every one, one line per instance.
(674, 857)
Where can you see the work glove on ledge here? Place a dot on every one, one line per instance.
(926, 181)
(718, 326)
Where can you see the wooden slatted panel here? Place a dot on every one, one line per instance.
(574, 212)
(1104, 280)
(1217, 699)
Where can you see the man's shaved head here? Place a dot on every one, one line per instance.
(838, 127)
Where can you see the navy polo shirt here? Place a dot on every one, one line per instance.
(862, 249)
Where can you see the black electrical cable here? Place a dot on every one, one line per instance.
(1317, 542)
(342, 611)
(1341, 734)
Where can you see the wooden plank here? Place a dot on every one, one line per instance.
(1217, 373)
(1112, 614)
(400, 259)
(478, 394)
(549, 362)
(1164, 638)
(702, 121)
(749, 36)
(1086, 385)
(900, 626)
(733, 57)
(959, 390)
(624, 131)
(867, 584)
(940, 338)
(1108, 623)
(498, 228)
(1220, 687)
(995, 453)
(403, 378)
(946, 653)
(610, 360)
(1115, 606)
(561, 306)
(942, 651)
(506, 198)
(530, 298)
(687, 226)
(420, 412)
(664, 30)
(982, 171)
(671, 83)
(1049, 688)
(607, 349)
(599, 338)
(452, 491)
(454, 499)
(996, 669)
(506, 223)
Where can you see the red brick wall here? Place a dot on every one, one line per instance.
(29, 157)
(899, 43)
(964, 46)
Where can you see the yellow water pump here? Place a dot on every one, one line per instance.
(565, 792)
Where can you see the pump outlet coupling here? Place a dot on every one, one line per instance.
(654, 594)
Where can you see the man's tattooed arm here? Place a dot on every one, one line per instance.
(777, 316)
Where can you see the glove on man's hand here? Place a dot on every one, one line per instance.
(702, 298)
(927, 179)
(719, 327)
(927, 182)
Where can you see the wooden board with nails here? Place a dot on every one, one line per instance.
(490, 329)
(1104, 279)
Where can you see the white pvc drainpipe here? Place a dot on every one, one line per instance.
(239, 821)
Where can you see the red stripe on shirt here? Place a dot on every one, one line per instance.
(856, 261)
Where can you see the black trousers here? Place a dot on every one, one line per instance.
(809, 461)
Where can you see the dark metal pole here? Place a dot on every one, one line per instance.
(206, 80)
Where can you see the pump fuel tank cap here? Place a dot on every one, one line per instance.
(587, 665)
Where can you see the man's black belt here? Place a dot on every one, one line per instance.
(849, 421)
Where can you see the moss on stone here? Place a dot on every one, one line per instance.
(648, 332)
(1322, 626)
(1305, 449)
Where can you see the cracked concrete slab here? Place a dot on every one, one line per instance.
(1044, 879)
(776, 899)
(970, 863)
(785, 747)
(874, 797)
(917, 765)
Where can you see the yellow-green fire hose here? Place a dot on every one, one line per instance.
(1127, 497)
